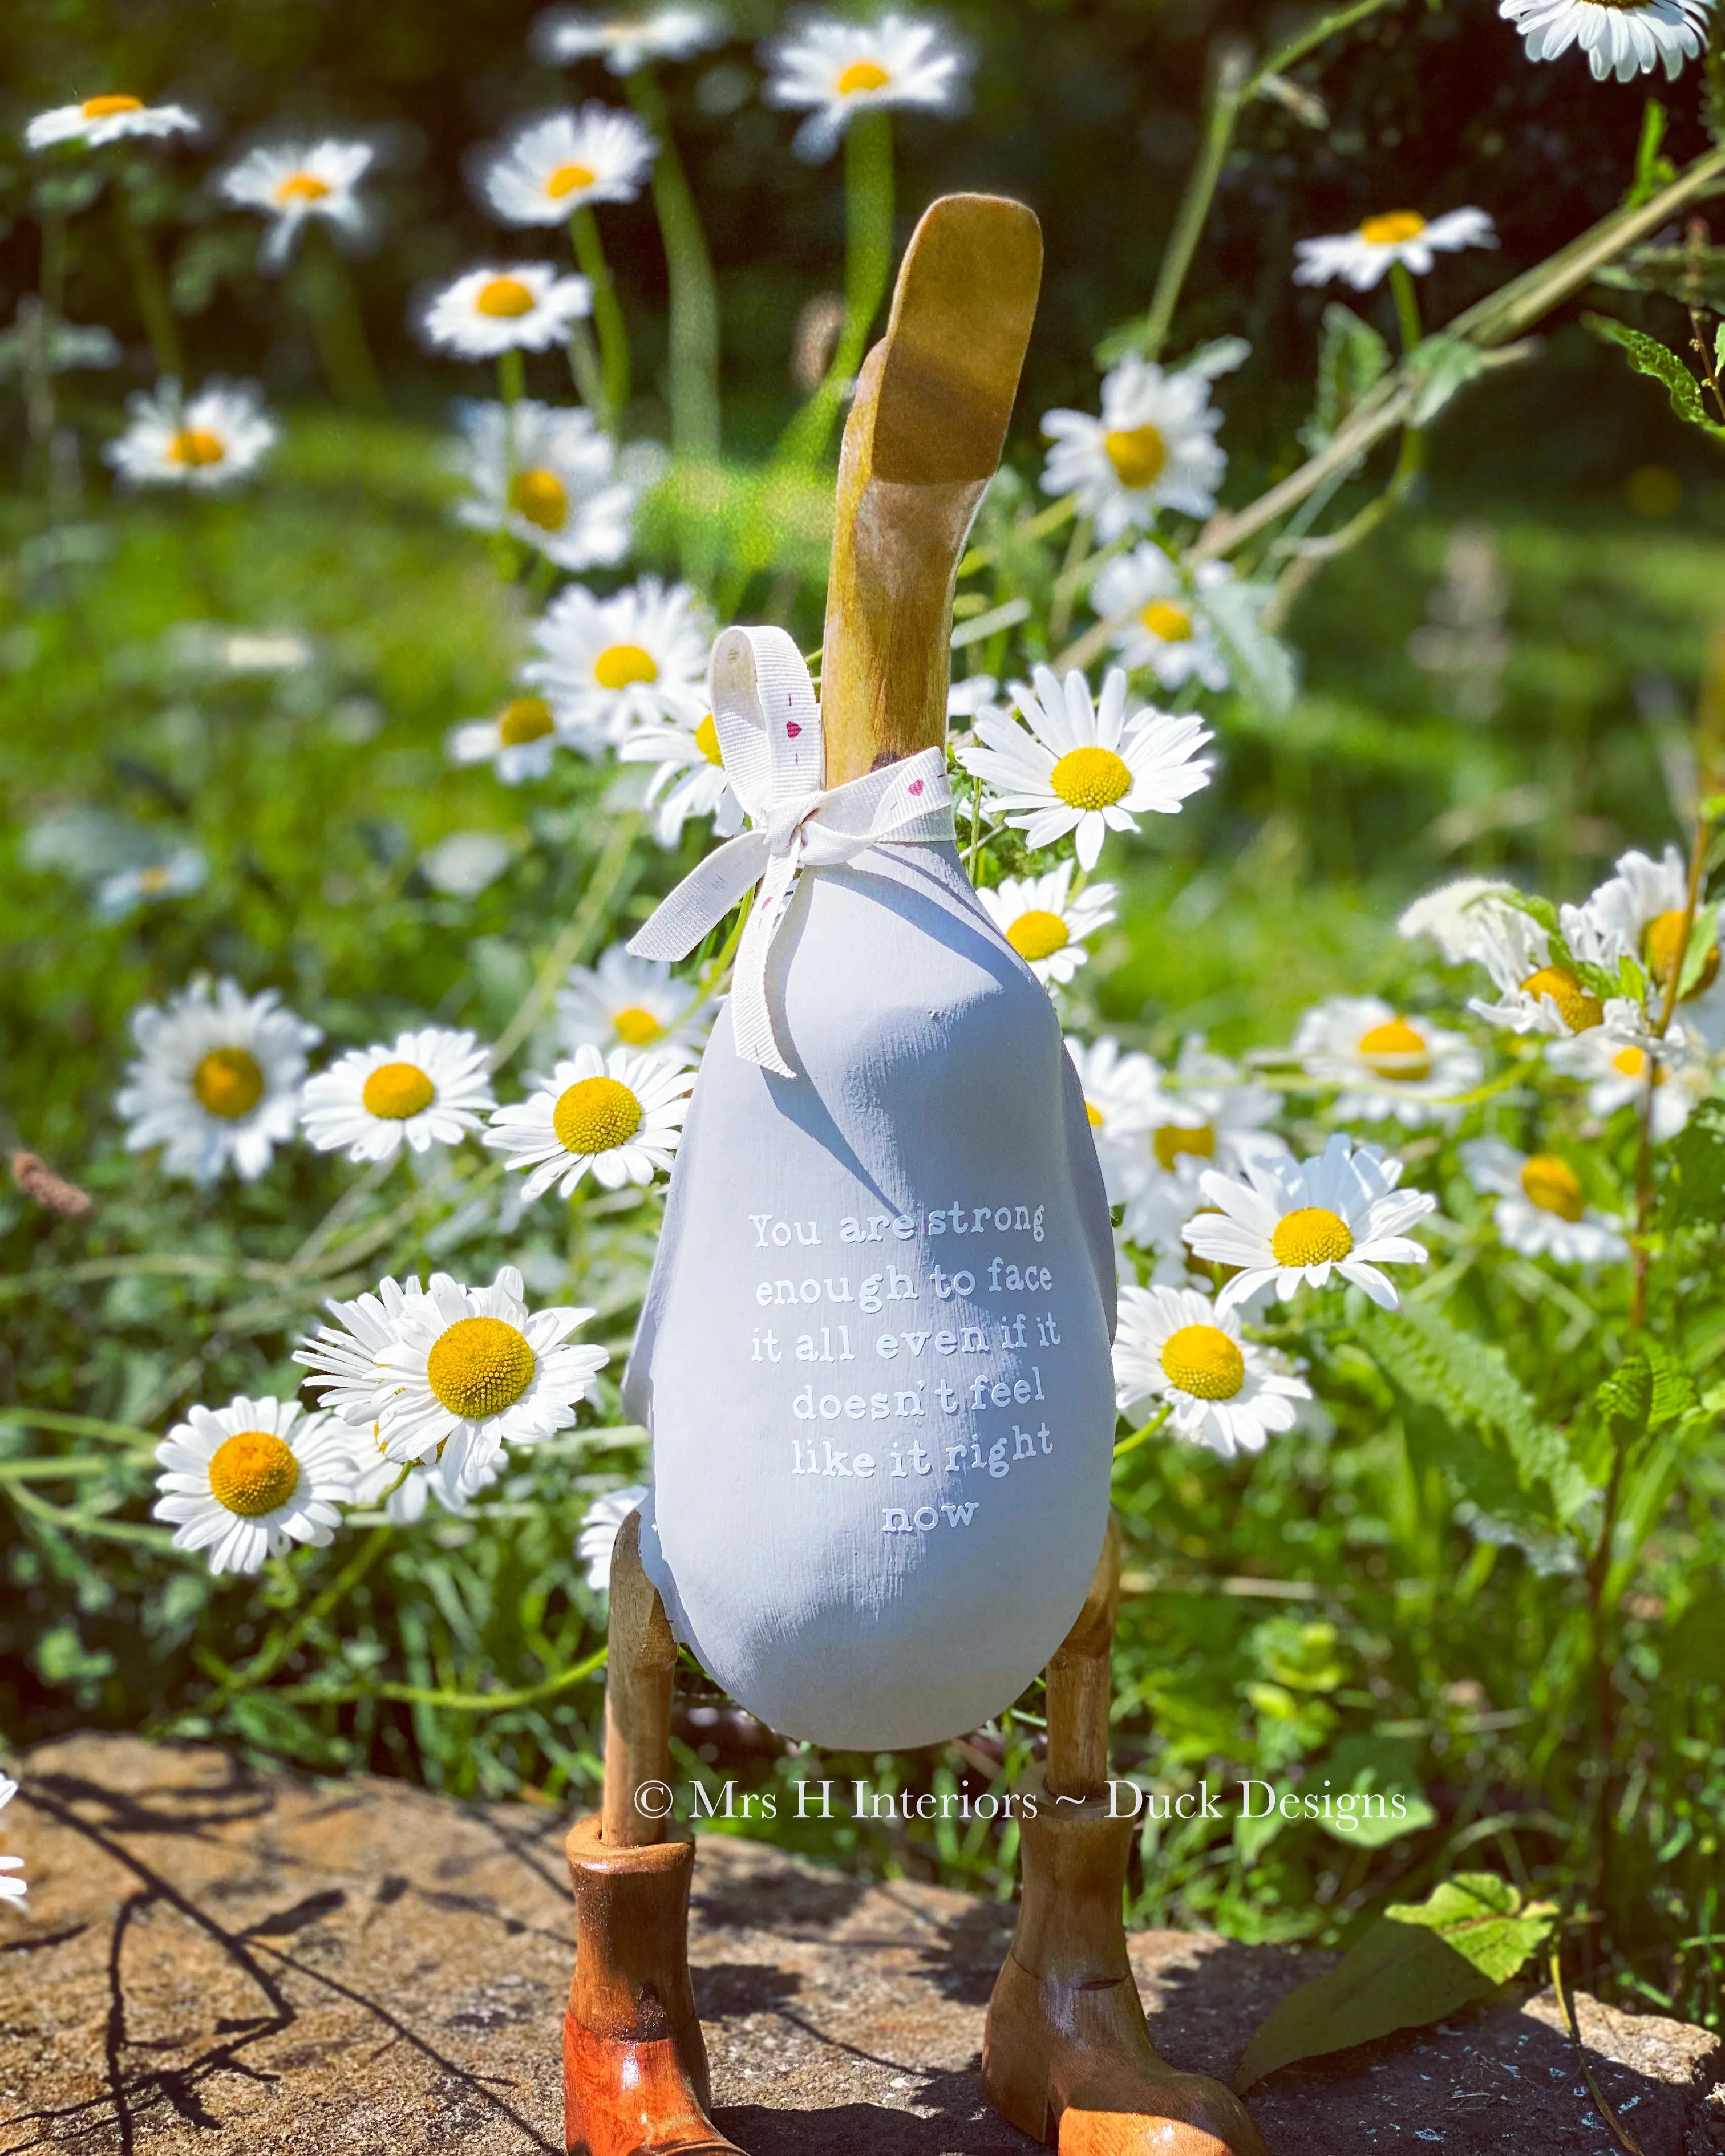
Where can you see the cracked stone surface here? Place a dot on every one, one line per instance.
(216, 1959)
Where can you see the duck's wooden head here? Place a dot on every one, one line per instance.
(923, 441)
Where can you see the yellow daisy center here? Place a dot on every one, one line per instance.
(596, 1114)
(861, 75)
(478, 1367)
(1170, 1140)
(1578, 1010)
(1201, 1360)
(253, 1473)
(196, 445)
(1037, 934)
(707, 739)
(104, 108)
(228, 1081)
(621, 665)
(1552, 1185)
(302, 187)
(1093, 1115)
(1171, 623)
(1090, 777)
(523, 719)
(1392, 227)
(504, 295)
(1395, 1050)
(1663, 942)
(568, 180)
(1311, 1236)
(396, 1091)
(1632, 1063)
(636, 1027)
(541, 498)
(1137, 454)
(152, 880)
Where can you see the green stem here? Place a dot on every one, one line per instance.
(868, 273)
(693, 334)
(603, 890)
(606, 314)
(77, 1425)
(512, 376)
(324, 287)
(1233, 90)
(270, 1657)
(160, 326)
(1407, 306)
(453, 1703)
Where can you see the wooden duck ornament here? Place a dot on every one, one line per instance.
(873, 1356)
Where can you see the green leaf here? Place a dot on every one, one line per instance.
(1366, 1779)
(1695, 1191)
(1647, 355)
(1351, 357)
(1417, 1964)
(1703, 948)
(1468, 1380)
(1440, 365)
(1624, 1400)
(1652, 170)
(1265, 670)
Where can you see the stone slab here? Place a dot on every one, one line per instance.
(215, 1960)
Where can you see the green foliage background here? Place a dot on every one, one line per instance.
(1318, 1610)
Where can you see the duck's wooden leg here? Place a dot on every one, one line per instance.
(634, 2065)
(1067, 2057)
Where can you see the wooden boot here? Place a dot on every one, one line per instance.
(1067, 2057)
(634, 2065)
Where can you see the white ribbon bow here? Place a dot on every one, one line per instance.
(770, 736)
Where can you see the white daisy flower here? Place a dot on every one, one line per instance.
(344, 1358)
(291, 182)
(1457, 916)
(1360, 259)
(1084, 768)
(404, 1492)
(552, 168)
(243, 1483)
(206, 442)
(1045, 925)
(1536, 994)
(619, 1115)
(833, 69)
(1391, 1066)
(429, 1088)
(626, 42)
(1291, 1221)
(216, 1080)
(518, 743)
(526, 307)
(597, 1538)
(1541, 1209)
(471, 1371)
(109, 118)
(688, 776)
(1176, 1346)
(123, 891)
(1153, 447)
(1120, 1106)
(1619, 1064)
(615, 663)
(626, 1001)
(1638, 913)
(966, 698)
(1159, 618)
(1204, 1113)
(1627, 37)
(11, 1889)
(546, 474)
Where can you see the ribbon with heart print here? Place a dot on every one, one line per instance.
(770, 737)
